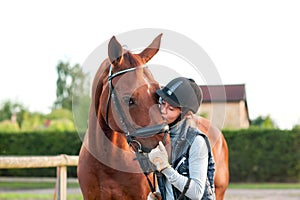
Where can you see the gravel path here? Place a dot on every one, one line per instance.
(262, 194)
(231, 194)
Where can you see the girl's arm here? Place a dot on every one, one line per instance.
(198, 162)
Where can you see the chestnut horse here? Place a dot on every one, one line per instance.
(123, 101)
(107, 169)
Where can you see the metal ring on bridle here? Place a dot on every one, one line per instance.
(132, 147)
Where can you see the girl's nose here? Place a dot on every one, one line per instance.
(163, 109)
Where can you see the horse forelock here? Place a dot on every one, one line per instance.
(129, 60)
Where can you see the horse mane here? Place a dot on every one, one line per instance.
(98, 84)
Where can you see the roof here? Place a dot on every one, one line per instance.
(223, 93)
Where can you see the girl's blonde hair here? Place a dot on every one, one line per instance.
(192, 119)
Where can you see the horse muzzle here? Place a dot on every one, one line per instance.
(150, 131)
(144, 133)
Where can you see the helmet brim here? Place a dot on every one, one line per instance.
(170, 101)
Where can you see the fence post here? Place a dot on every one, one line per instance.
(62, 183)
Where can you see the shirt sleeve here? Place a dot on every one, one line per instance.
(198, 162)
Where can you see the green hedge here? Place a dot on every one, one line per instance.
(254, 155)
(264, 155)
(45, 143)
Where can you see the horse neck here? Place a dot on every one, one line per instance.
(206, 127)
(108, 146)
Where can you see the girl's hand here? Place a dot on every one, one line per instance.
(154, 196)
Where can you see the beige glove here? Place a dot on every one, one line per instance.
(159, 157)
(154, 196)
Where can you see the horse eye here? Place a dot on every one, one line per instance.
(128, 100)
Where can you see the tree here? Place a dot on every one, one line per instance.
(60, 120)
(9, 127)
(33, 121)
(263, 122)
(68, 79)
(9, 108)
(297, 126)
(60, 114)
(6, 111)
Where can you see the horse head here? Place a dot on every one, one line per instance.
(128, 104)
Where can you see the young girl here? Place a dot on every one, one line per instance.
(189, 172)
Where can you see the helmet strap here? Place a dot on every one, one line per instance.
(179, 118)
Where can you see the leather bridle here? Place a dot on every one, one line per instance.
(131, 136)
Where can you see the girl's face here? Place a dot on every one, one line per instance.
(169, 112)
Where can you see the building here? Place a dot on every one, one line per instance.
(225, 105)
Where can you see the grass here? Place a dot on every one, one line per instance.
(32, 185)
(11, 196)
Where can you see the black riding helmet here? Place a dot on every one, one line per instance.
(182, 92)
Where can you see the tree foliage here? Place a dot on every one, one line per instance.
(9, 108)
(296, 127)
(58, 120)
(60, 114)
(7, 126)
(69, 78)
(263, 122)
(14, 118)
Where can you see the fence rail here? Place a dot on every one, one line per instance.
(61, 162)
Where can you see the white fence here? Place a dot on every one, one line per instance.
(61, 162)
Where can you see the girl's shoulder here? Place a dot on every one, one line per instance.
(194, 132)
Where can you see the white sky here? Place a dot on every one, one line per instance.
(253, 42)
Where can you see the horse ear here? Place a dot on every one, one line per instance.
(115, 51)
(151, 50)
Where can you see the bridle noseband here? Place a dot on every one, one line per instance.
(143, 132)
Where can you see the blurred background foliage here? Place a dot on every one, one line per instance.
(72, 85)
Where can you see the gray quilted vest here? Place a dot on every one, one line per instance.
(180, 162)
